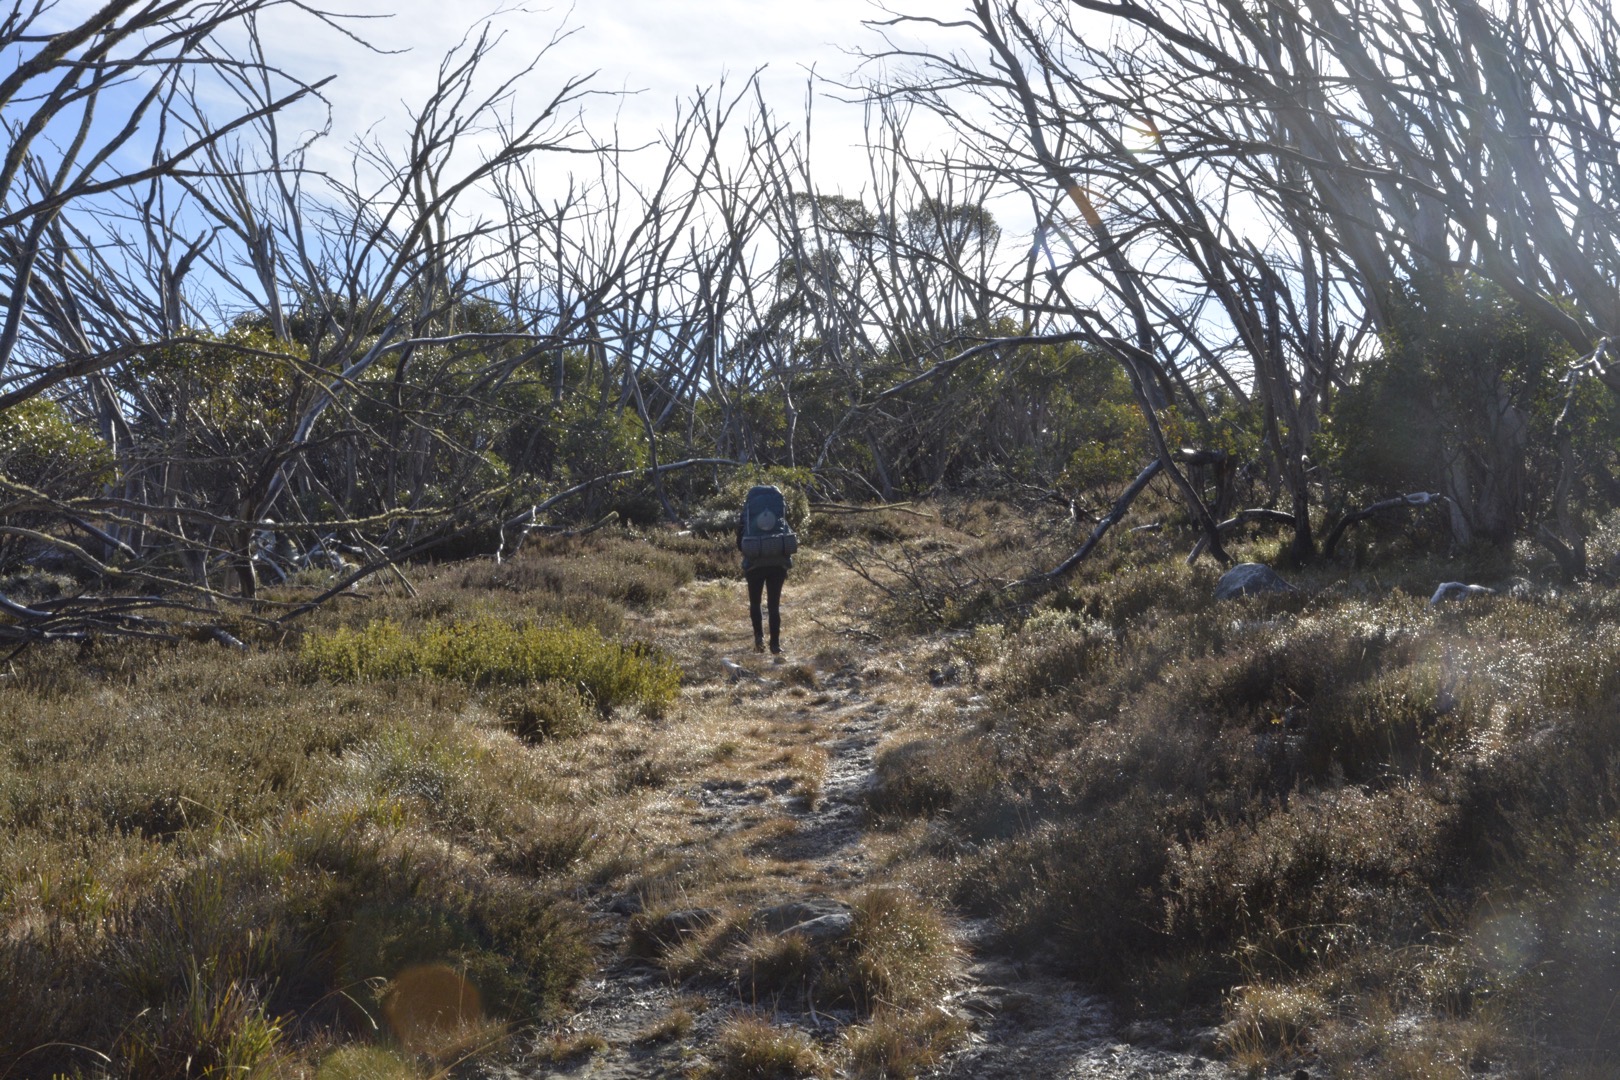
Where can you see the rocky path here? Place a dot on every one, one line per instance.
(794, 745)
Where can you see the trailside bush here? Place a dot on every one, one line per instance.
(488, 652)
(43, 449)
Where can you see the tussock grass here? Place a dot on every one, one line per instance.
(366, 1063)
(896, 954)
(901, 1045)
(751, 1048)
(235, 863)
(1353, 824)
(676, 1024)
(901, 956)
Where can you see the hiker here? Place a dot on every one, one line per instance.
(767, 544)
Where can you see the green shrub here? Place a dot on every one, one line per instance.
(42, 448)
(1084, 891)
(1316, 879)
(1053, 651)
(492, 653)
(1121, 598)
(924, 777)
(1387, 727)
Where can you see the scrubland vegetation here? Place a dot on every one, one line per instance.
(366, 586)
(1353, 831)
(226, 868)
(1336, 827)
(371, 847)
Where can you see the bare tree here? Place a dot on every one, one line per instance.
(137, 58)
(1189, 266)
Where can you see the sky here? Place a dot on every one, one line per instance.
(646, 55)
(643, 57)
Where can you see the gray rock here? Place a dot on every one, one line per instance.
(625, 904)
(824, 928)
(795, 914)
(1456, 590)
(1247, 579)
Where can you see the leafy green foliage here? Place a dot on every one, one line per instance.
(43, 449)
(489, 652)
(40, 446)
(1463, 400)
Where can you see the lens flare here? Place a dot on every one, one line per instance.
(431, 1007)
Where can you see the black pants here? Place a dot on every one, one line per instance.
(767, 579)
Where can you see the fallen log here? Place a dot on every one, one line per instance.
(1400, 502)
(1246, 517)
(842, 508)
(1115, 513)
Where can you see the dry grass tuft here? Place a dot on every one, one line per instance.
(571, 1048)
(673, 1025)
(901, 1045)
(902, 954)
(751, 1048)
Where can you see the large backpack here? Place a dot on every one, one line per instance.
(767, 539)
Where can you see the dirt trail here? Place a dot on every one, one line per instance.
(799, 739)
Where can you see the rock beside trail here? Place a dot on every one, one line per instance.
(819, 919)
(1456, 590)
(625, 904)
(824, 929)
(1247, 579)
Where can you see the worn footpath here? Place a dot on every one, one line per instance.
(773, 825)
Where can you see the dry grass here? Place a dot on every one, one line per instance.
(1362, 834)
(751, 1048)
(218, 862)
(674, 1025)
(1309, 797)
(901, 1045)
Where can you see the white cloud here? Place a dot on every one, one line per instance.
(646, 56)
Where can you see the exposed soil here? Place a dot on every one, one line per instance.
(789, 800)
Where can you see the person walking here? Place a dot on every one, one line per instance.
(767, 544)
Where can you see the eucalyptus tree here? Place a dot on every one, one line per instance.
(1429, 142)
(251, 336)
(1185, 263)
(99, 107)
